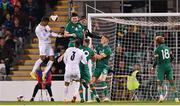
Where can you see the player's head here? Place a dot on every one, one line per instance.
(74, 18)
(86, 42)
(83, 20)
(137, 67)
(44, 21)
(105, 39)
(77, 43)
(159, 40)
(62, 30)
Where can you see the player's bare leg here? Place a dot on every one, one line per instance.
(175, 92)
(36, 66)
(48, 67)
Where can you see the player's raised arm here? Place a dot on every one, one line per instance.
(55, 34)
(67, 34)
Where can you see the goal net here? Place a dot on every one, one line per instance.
(131, 40)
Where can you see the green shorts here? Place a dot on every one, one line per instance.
(84, 70)
(163, 71)
(98, 71)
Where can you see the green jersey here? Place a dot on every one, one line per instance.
(107, 51)
(162, 55)
(77, 29)
(88, 52)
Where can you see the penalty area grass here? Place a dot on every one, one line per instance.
(89, 103)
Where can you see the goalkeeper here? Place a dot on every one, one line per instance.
(163, 59)
(84, 69)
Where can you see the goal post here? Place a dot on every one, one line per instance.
(132, 42)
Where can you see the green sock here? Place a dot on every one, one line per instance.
(81, 92)
(175, 94)
(105, 90)
(160, 90)
(92, 86)
(92, 95)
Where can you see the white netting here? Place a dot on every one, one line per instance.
(132, 43)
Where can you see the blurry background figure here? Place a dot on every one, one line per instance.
(43, 85)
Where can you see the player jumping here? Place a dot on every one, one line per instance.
(103, 55)
(43, 33)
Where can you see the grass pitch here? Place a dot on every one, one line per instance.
(91, 103)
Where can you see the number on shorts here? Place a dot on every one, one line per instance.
(73, 55)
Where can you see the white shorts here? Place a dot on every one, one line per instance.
(71, 76)
(46, 50)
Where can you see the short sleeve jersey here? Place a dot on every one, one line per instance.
(107, 51)
(89, 53)
(162, 54)
(77, 29)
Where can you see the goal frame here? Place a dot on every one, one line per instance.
(90, 15)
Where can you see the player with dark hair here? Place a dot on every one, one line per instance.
(43, 32)
(43, 84)
(75, 30)
(84, 69)
(163, 59)
(103, 52)
(72, 58)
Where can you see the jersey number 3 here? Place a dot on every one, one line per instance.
(165, 54)
(73, 55)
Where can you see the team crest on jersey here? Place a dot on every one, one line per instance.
(76, 29)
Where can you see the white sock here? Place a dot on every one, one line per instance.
(76, 88)
(49, 65)
(161, 96)
(65, 92)
(36, 65)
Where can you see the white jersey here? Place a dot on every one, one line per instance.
(43, 33)
(72, 58)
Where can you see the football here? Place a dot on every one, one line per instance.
(20, 98)
(54, 17)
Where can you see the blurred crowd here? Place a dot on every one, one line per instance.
(18, 19)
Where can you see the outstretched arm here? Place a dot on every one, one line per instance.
(67, 34)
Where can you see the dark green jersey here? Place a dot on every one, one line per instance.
(77, 28)
(106, 50)
(88, 52)
(162, 55)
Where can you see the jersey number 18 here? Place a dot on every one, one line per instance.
(165, 54)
